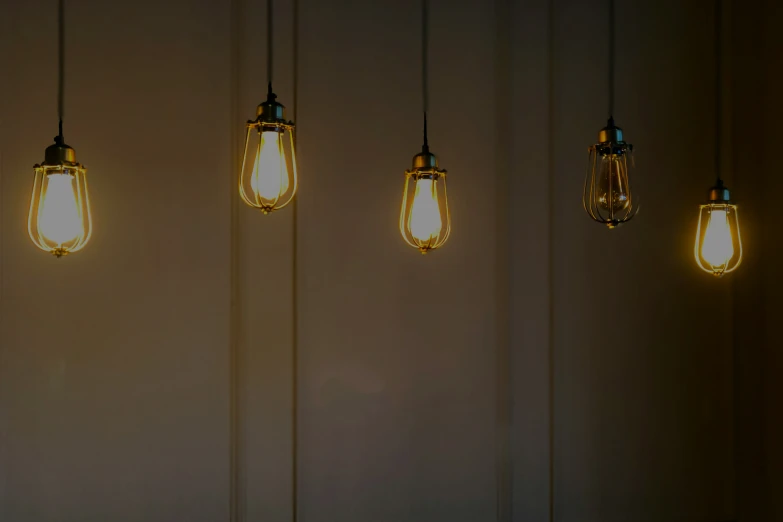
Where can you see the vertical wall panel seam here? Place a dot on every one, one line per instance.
(234, 321)
(504, 415)
(735, 374)
(3, 423)
(550, 244)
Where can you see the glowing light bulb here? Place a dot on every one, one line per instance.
(270, 171)
(425, 221)
(60, 220)
(613, 191)
(718, 247)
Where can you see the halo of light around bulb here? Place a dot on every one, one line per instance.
(425, 221)
(718, 244)
(268, 179)
(60, 219)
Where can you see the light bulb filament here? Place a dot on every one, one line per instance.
(613, 192)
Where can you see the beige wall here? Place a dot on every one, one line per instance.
(758, 59)
(537, 368)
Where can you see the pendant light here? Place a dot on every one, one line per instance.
(268, 179)
(607, 194)
(425, 221)
(59, 220)
(718, 246)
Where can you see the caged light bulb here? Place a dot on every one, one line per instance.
(268, 179)
(607, 194)
(425, 221)
(718, 245)
(59, 220)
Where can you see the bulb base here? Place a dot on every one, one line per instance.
(271, 111)
(425, 160)
(60, 154)
(611, 133)
(719, 193)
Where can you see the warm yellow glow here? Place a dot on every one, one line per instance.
(425, 220)
(270, 171)
(60, 220)
(717, 248)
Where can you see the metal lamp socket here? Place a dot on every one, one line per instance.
(60, 154)
(610, 133)
(271, 111)
(719, 193)
(425, 160)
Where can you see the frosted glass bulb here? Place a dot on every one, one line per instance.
(613, 193)
(270, 172)
(425, 220)
(60, 220)
(717, 248)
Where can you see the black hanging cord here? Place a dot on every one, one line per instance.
(424, 52)
(611, 59)
(269, 40)
(61, 65)
(718, 85)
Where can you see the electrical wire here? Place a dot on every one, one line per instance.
(425, 66)
(269, 41)
(61, 65)
(718, 85)
(611, 58)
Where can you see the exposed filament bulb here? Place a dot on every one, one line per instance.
(613, 187)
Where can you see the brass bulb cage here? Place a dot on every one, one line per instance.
(599, 205)
(270, 119)
(732, 222)
(425, 167)
(426, 173)
(59, 159)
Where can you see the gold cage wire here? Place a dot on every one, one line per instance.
(60, 220)
(607, 197)
(718, 244)
(425, 220)
(258, 179)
